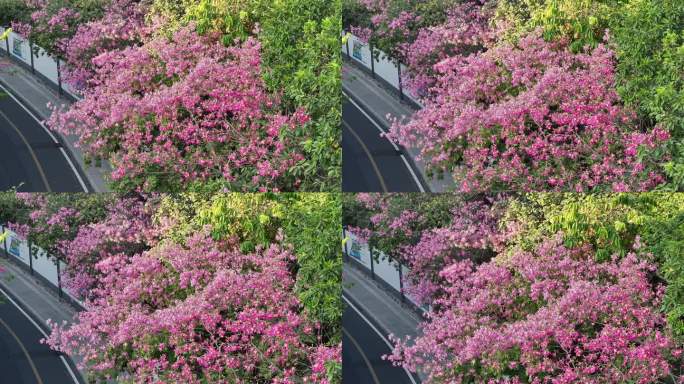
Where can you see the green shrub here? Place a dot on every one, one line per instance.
(649, 38)
(13, 10)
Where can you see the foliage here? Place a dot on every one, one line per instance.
(494, 266)
(102, 42)
(12, 209)
(532, 116)
(426, 232)
(192, 289)
(610, 225)
(584, 22)
(50, 221)
(53, 23)
(11, 10)
(646, 36)
(551, 315)
(185, 109)
(301, 61)
(301, 54)
(649, 37)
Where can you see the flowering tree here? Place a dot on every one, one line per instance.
(183, 109)
(532, 116)
(197, 313)
(539, 287)
(551, 316)
(273, 126)
(191, 288)
(458, 65)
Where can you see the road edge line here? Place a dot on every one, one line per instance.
(354, 304)
(410, 164)
(80, 174)
(42, 328)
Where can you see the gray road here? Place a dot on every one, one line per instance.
(23, 359)
(362, 353)
(370, 163)
(29, 157)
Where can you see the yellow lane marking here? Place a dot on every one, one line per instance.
(21, 345)
(363, 355)
(368, 154)
(33, 154)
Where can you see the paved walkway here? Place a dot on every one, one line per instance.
(379, 102)
(35, 95)
(37, 299)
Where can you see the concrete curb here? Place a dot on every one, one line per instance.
(386, 288)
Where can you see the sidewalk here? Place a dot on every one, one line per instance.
(35, 95)
(378, 102)
(381, 307)
(39, 301)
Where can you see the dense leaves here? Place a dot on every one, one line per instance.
(184, 109)
(273, 126)
(537, 288)
(532, 116)
(483, 67)
(195, 289)
(11, 10)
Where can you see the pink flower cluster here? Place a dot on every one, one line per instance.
(121, 25)
(127, 229)
(194, 311)
(549, 316)
(532, 116)
(465, 31)
(185, 109)
(160, 309)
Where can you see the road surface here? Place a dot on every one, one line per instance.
(30, 158)
(370, 162)
(362, 353)
(23, 359)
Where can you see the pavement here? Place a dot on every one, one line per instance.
(379, 102)
(31, 160)
(372, 314)
(371, 162)
(23, 359)
(38, 303)
(35, 95)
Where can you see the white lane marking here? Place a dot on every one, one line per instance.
(396, 148)
(375, 124)
(413, 174)
(391, 347)
(24, 350)
(73, 376)
(68, 159)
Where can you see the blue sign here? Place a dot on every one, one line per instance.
(355, 251)
(14, 247)
(357, 50)
(17, 47)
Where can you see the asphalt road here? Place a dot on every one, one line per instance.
(370, 163)
(361, 354)
(30, 159)
(23, 359)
